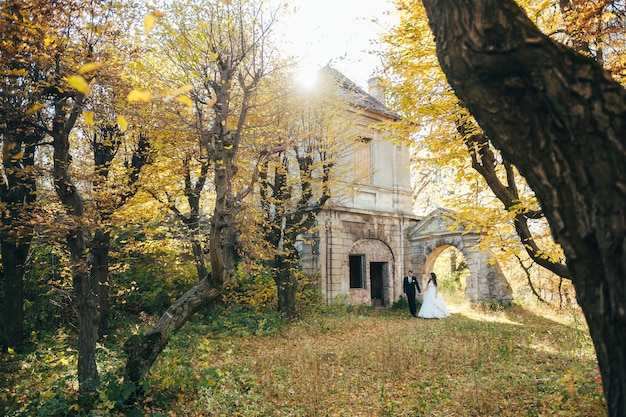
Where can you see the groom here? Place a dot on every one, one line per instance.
(410, 285)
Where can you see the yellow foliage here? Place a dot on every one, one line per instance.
(78, 83)
(122, 123)
(184, 100)
(88, 115)
(89, 67)
(181, 90)
(35, 108)
(141, 96)
(149, 21)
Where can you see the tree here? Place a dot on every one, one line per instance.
(233, 56)
(22, 30)
(447, 136)
(310, 132)
(561, 119)
(66, 44)
(109, 193)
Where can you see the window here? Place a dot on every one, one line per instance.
(364, 160)
(357, 271)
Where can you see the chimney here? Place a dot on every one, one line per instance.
(375, 90)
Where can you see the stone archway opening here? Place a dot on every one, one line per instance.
(436, 233)
(451, 268)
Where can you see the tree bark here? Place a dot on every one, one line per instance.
(143, 350)
(100, 246)
(17, 192)
(561, 119)
(287, 286)
(77, 236)
(13, 259)
(484, 162)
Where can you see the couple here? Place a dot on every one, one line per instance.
(433, 306)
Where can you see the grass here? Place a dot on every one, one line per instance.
(482, 361)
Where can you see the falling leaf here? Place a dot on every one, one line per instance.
(88, 115)
(17, 156)
(78, 83)
(212, 101)
(179, 91)
(185, 100)
(122, 123)
(140, 96)
(182, 90)
(92, 66)
(35, 108)
(149, 21)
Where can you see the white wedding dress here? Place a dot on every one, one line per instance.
(433, 306)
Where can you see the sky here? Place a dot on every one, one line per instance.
(337, 32)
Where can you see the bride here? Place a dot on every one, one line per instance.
(433, 306)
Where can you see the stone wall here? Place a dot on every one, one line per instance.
(379, 238)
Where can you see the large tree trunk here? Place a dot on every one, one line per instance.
(561, 119)
(17, 191)
(287, 286)
(84, 289)
(100, 246)
(87, 311)
(13, 260)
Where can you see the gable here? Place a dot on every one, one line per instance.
(438, 223)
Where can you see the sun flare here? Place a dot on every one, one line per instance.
(307, 77)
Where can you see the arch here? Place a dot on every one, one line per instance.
(435, 233)
(377, 280)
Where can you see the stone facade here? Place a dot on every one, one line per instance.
(360, 248)
(368, 236)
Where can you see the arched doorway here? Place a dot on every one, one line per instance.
(436, 233)
(451, 267)
(370, 263)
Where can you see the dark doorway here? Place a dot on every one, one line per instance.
(376, 276)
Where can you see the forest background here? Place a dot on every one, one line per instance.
(151, 166)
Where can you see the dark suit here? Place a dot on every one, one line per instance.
(409, 287)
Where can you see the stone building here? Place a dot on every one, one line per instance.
(360, 248)
(368, 238)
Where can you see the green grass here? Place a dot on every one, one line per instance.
(346, 362)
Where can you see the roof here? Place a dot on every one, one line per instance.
(356, 95)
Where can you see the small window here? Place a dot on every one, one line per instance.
(357, 271)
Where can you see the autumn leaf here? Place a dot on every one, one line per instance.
(78, 83)
(92, 66)
(17, 156)
(149, 21)
(139, 96)
(212, 101)
(35, 108)
(48, 39)
(182, 90)
(122, 123)
(185, 100)
(179, 91)
(88, 115)
(227, 2)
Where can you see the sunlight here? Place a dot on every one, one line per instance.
(306, 77)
